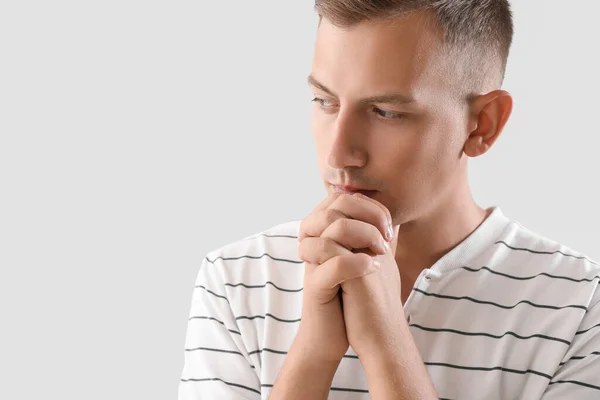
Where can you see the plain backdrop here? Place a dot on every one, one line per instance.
(136, 136)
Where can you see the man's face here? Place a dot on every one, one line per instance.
(411, 153)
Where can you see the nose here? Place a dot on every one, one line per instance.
(348, 143)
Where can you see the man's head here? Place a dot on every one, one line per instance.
(405, 91)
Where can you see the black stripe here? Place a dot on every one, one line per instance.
(216, 320)
(530, 277)
(272, 236)
(221, 380)
(441, 296)
(588, 329)
(262, 286)
(216, 350)
(267, 350)
(213, 293)
(514, 371)
(255, 258)
(333, 388)
(337, 389)
(577, 383)
(546, 252)
(285, 352)
(490, 335)
(594, 353)
(220, 351)
(269, 315)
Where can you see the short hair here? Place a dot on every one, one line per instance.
(479, 33)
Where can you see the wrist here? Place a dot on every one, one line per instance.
(312, 351)
(316, 344)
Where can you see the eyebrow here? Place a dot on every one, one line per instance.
(394, 98)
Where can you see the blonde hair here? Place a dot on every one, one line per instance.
(478, 33)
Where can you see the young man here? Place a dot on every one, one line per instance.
(398, 285)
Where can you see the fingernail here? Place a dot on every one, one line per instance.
(376, 263)
(390, 232)
(386, 246)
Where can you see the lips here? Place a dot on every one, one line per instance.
(354, 189)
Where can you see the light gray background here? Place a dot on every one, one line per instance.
(135, 136)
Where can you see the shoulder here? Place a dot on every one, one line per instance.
(521, 245)
(545, 266)
(260, 277)
(281, 238)
(268, 255)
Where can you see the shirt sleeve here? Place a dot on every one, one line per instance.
(216, 362)
(578, 376)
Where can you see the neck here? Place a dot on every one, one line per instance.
(420, 243)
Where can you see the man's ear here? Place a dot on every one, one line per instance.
(490, 112)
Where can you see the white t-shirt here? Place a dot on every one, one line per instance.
(507, 314)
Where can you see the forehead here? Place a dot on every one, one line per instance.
(373, 56)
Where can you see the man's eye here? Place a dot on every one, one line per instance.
(387, 114)
(323, 103)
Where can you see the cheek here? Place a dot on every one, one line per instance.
(440, 157)
(405, 154)
(442, 166)
(319, 129)
(319, 124)
(419, 162)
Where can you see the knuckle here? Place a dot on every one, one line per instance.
(302, 228)
(313, 249)
(302, 249)
(331, 215)
(362, 261)
(375, 233)
(341, 225)
(304, 224)
(321, 245)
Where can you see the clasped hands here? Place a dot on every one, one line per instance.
(352, 291)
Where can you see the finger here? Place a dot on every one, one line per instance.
(354, 234)
(354, 206)
(321, 206)
(327, 201)
(339, 269)
(316, 223)
(363, 208)
(317, 250)
(378, 204)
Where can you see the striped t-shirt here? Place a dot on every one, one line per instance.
(507, 314)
